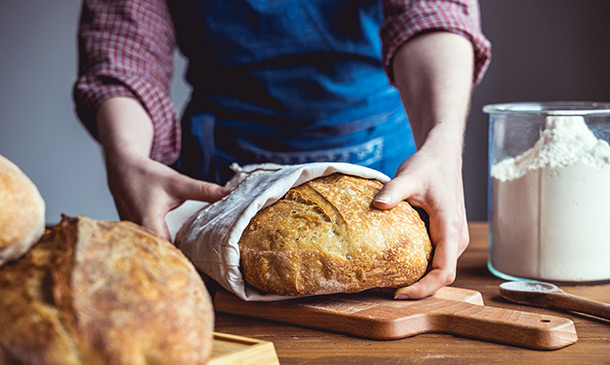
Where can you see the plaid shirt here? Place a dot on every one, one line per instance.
(126, 49)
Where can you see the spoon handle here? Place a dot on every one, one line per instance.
(583, 305)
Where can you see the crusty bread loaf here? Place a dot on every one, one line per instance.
(21, 212)
(326, 237)
(94, 292)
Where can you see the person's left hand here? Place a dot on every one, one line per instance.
(433, 182)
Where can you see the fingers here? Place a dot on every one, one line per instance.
(428, 285)
(449, 247)
(442, 275)
(191, 189)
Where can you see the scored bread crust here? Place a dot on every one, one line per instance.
(93, 292)
(22, 212)
(326, 237)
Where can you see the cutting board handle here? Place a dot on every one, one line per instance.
(501, 325)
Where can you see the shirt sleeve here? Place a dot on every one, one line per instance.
(126, 49)
(405, 19)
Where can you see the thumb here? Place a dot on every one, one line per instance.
(393, 192)
(191, 189)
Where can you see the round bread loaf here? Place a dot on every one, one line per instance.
(94, 292)
(21, 212)
(325, 236)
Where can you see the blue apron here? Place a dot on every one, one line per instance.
(290, 81)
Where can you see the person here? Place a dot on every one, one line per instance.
(290, 81)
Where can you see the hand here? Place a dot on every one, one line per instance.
(434, 183)
(434, 74)
(145, 190)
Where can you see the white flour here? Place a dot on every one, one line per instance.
(550, 205)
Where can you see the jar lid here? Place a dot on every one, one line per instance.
(550, 108)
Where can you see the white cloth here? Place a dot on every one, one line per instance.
(210, 233)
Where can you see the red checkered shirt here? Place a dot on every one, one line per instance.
(126, 49)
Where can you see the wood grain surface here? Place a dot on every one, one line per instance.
(300, 345)
(376, 316)
(230, 350)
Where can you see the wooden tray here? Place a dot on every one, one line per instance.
(231, 349)
(373, 315)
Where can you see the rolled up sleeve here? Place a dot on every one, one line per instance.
(126, 49)
(404, 19)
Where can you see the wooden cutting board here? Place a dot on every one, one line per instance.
(373, 315)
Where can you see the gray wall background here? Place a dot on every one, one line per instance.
(542, 50)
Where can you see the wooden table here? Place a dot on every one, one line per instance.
(296, 345)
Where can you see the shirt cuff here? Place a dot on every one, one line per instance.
(459, 17)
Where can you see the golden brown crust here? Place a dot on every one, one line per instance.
(103, 293)
(325, 237)
(21, 212)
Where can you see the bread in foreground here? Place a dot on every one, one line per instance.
(22, 212)
(326, 237)
(93, 292)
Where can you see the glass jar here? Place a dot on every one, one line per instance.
(549, 191)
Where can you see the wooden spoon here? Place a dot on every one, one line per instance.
(550, 296)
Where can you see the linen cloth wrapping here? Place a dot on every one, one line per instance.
(208, 234)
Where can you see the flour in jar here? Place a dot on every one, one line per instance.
(550, 205)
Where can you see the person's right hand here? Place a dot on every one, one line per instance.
(145, 190)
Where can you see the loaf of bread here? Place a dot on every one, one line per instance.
(326, 237)
(92, 292)
(22, 211)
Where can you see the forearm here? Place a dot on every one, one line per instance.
(434, 74)
(124, 128)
